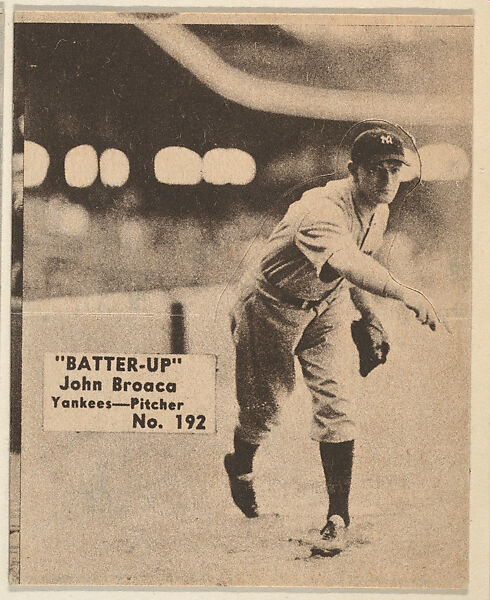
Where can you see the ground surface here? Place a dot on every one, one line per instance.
(139, 509)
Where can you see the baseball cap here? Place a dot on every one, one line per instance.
(375, 145)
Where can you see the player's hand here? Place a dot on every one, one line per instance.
(420, 305)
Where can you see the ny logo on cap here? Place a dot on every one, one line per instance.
(386, 139)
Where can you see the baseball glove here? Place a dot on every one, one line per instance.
(372, 344)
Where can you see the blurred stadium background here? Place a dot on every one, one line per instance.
(153, 197)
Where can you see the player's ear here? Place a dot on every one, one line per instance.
(352, 169)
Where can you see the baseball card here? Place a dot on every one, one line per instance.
(241, 300)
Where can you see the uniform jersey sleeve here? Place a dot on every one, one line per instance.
(322, 232)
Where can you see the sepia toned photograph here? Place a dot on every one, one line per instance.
(241, 300)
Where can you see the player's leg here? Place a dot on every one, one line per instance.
(265, 335)
(337, 460)
(327, 358)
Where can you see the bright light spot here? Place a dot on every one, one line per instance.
(36, 163)
(81, 166)
(114, 167)
(215, 169)
(20, 122)
(67, 218)
(242, 166)
(176, 165)
(132, 235)
(444, 162)
(228, 165)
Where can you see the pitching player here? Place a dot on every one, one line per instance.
(316, 270)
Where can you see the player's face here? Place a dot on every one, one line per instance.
(379, 183)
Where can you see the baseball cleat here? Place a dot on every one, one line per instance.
(242, 490)
(333, 536)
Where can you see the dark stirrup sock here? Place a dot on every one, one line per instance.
(337, 459)
(244, 455)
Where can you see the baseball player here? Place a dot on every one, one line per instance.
(316, 270)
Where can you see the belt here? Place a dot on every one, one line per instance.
(282, 296)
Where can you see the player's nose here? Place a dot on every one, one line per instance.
(383, 177)
(389, 178)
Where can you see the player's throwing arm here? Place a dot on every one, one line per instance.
(365, 272)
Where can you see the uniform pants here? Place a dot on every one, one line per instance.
(268, 335)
